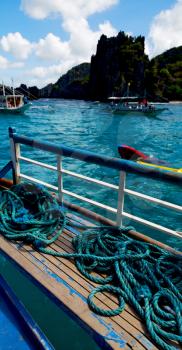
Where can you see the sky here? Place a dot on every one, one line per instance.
(40, 40)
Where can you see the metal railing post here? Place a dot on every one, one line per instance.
(60, 178)
(120, 205)
(15, 154)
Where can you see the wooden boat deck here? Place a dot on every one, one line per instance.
(63, 281)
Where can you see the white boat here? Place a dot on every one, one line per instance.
(12, 102)
(134, 105)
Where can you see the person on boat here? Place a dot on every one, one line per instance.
(25, 100)
(139, 106)
(145, 103)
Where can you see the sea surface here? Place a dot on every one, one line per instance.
(93, 127)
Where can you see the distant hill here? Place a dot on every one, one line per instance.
(164, 75)
(73, 84)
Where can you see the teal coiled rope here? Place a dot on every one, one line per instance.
(142, 274)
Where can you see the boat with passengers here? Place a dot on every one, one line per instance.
(128, 104)
(134, 105)
(119, 284)
(12, 102)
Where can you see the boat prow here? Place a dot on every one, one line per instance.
(130, 153)
(15, 110)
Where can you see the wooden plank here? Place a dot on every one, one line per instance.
(108, 300)
(95, 323)
(84, 287)
(74, 278)
(68, 248)
(131, 338)
(127, 308)
(69, 235)
(72, 303)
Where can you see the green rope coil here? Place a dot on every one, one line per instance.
(141, 274)
(29, 213)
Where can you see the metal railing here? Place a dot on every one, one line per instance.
(123, 166)
(6, 169)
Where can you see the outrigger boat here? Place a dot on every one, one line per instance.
(12, 102)
(134, 105)
(78, 256)
(130, 153)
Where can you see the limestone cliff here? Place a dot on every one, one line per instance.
(118, 61)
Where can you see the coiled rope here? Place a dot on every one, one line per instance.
(141, 274)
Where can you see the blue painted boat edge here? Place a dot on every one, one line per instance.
(29, 327)
(100, 340)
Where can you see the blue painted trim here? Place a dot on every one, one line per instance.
(96, 336)
(7, 167)
(89, 157)
(28, 326)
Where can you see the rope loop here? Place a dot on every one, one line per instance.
(141, 274)
(109, 312)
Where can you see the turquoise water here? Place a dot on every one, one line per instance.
(91, 126)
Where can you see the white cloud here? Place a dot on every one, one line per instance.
(15, 44)
(107, 29)
(74, 13)
(52, 48)
(5, 64)
(60, 54)
(82, 40)
(40, 9)
(54, 71)
(78, 49)
(166, 30)
(41, 75)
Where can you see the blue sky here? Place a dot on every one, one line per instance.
(41, 40)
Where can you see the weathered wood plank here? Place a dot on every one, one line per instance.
(73, 276)
(133, 337)
(72, 303)
(61, 279)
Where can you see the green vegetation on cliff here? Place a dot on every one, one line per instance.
(164, 75)
(73, 84)
(121, 60)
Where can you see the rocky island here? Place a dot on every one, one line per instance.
(118, 61)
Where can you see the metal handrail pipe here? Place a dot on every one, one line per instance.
(106, 184)
(6, 169)
(89, 157)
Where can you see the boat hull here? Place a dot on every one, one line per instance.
(21, 109)
(136, 111)
(18, 330)
(176, 170)
(130, 153)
